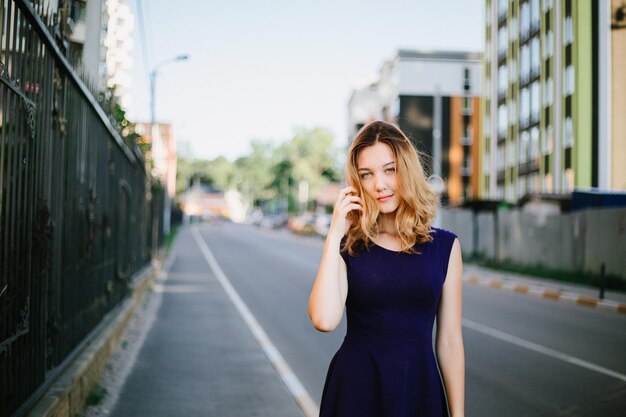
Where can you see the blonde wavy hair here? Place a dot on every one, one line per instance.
(418, 202)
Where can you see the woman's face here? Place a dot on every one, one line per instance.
(376, 166)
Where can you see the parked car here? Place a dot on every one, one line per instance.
(273, 221)
(322, 224)
(303, 224)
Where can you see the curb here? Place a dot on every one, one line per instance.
(548, 293)
(66, 396)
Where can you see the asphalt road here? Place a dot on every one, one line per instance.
(524, 356)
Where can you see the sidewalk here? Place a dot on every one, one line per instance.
(199, 357)
(556, 290)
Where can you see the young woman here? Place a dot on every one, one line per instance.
(395, 273)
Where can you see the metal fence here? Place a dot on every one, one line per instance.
(78, 216)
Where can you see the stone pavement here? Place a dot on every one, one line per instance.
(199, 358)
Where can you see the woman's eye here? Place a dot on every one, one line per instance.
(365, 175)
(391, 170)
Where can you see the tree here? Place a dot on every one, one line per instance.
(217, 173)
(312, 159)
(253, 173)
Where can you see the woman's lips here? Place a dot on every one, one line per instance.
(384, 198)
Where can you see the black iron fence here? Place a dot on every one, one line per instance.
(78, 216)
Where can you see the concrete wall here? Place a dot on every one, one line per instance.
(605, 238)
(573, 241)
(461, 223)
(485, 231)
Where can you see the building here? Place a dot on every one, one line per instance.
(364, 106)
(119, 50)
(161, 157)
(547, 99)
(434, 97)
(101, 43)
(613, 176)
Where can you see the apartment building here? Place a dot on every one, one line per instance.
(547, 99)
(434, 97)
(101, 43)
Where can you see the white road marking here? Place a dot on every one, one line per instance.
(498, 334)
(291, 381)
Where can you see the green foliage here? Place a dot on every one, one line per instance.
(610, 282)
(253, 172)
(217, 173)
(171, 237)
(121, 123)
(268, 173)
(96, 395)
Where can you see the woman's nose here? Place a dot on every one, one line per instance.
(380, 183)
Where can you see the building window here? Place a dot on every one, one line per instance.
(467, 106)
(534, 144)
(524, 141)
(548, 92)
(534, 57)
(525, 64)
(569, 80)
(503, 42)
(503, 8)
(503, 81)
(535, 15)
(524, 21)
(502, 120)
(548, 141)
(568, 33)
(534, 101)
(524, 111)
(500, 158)
(467, 165)
(521, 187)
(568, 133)
(467, 135)
(548, 46)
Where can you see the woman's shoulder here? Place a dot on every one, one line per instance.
(442, 234)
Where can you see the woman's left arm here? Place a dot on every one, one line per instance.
(449, 341)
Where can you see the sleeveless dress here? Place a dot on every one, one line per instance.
(386, 366)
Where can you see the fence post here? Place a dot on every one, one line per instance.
(602, 280)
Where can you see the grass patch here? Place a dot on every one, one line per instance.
(96, 395)
(611, 282)
(171, 236)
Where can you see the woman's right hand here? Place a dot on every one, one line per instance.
(347, 201)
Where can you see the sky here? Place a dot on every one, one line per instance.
(258, 70)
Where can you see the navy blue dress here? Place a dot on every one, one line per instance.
(386, 366)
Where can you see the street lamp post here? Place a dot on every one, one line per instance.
(167, 209)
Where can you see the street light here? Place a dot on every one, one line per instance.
(153, 75)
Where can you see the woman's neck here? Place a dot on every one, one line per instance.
(388, 224)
